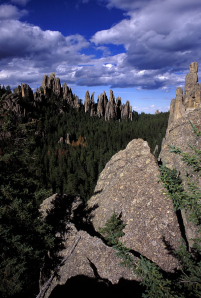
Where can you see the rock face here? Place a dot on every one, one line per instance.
(129, 185)
(102, 102)
(188, 100)
(185, 109)
(83, 254)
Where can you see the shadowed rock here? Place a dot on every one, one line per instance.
(82, 253)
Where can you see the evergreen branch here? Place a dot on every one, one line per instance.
(195, 129)
(46, 286)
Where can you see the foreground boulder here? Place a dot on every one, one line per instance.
(130, 185)
(82, 255)
(88, 256)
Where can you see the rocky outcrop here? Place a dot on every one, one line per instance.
(189, 99)
(87, 103)
(129, 185)
(185, 109)
(51, 86)
(102, 102)
(27, 91)
(82, 254)
(18, 101)
(69, 97)
(88, 256)
(126, 111)
(112, 109)
(93, 106)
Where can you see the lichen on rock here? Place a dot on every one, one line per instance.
(129, 185)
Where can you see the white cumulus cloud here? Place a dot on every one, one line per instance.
(8, 11)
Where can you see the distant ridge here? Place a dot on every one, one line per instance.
(105, 108)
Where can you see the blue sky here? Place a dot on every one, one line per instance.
(139, 48)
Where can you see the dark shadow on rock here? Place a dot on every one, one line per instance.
(174, 275)
(182, 227)
(97, 192)
(136, 253)
(171, 250)
(92, 287)
(82, 219)
(58, 218)
(65, 211)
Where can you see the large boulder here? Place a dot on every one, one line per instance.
(88, 256)
(82, 254)
(130, 185)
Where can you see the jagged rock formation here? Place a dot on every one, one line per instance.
(13, 101)
(129, 185)
(189, 99)
(112, 109)
(109, 109)
(71, 99)
(27, 91)
(126, 111)
(87, 102)
(102, 102)
(184, 110)
(52, 85)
